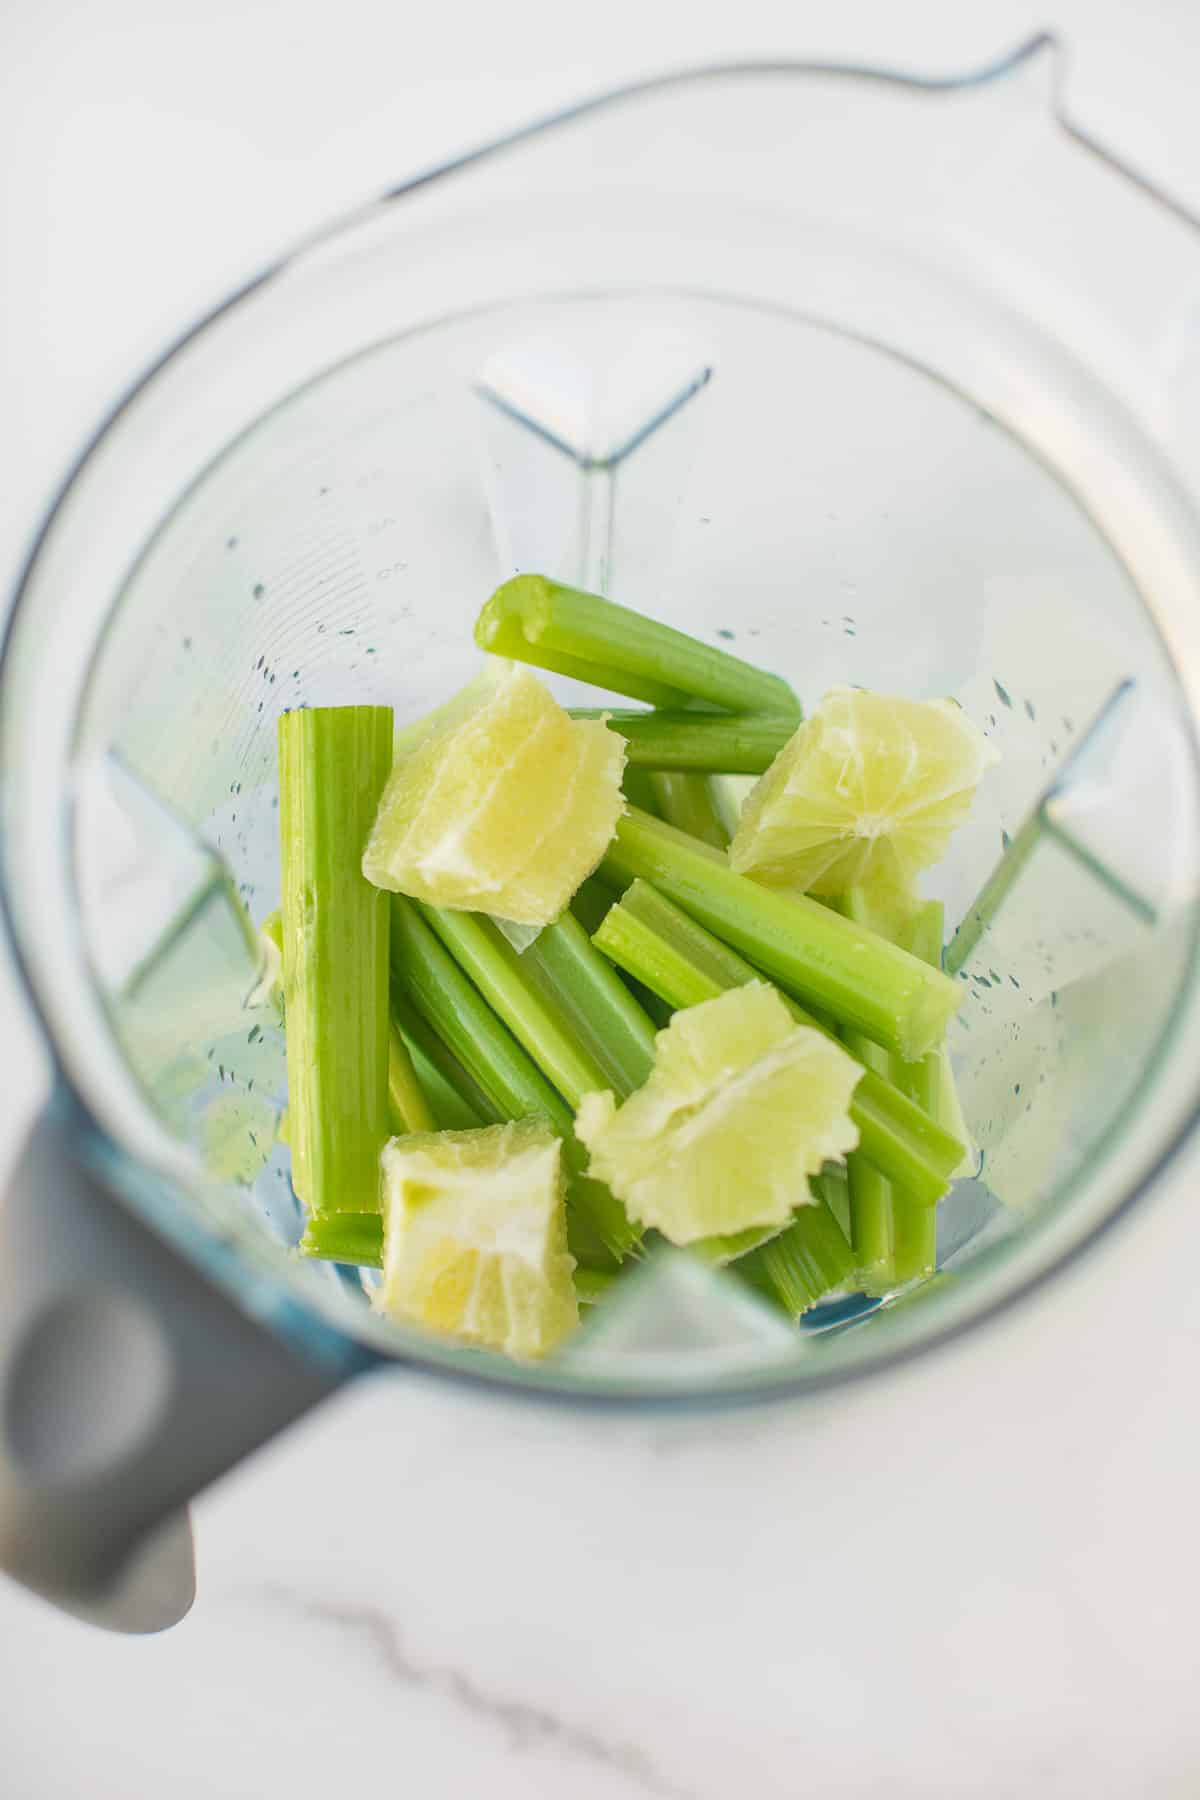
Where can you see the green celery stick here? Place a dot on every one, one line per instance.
(638, 790)
(604, 1014)
(591, 902)
(560, 999)
(533, 1017)
(457, 1101)
(809, 1259)
(408, 1108)
(539, 621)
(345, 1238)
(870, 1191)
(333, 763)
(424, 970)
(823, 959)
(832, 1186)
(914, 1228)
(656, 942)
(685, 802)
(702, 743)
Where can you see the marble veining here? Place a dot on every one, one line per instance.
(525, 1726)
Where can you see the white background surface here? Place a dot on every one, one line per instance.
(976, 1579)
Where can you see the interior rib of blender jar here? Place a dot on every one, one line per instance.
(823, 507)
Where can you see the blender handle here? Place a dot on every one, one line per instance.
(128, 1382)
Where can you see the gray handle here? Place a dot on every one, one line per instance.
(127, 1383)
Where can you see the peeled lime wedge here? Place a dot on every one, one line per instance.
(503, 805)
(867, 792)
(475, 1237)
(743, 1105)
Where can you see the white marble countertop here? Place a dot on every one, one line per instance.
(976, 1578)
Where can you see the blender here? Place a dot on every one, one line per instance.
(878, 380)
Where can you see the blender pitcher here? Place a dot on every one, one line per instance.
(879, 380)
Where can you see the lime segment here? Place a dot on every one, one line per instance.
(868, 791)
(475, 1237)
(743, 1105)
(503, 805)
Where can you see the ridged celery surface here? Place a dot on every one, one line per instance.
(333, 764)
(535, 620)
(700, 743)
(426, 973)
(824, 960)
(561, 1000)
(684, 801)
(656, 942)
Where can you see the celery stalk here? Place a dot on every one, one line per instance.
(333, 763)
(408, 1108)
(424, 970)
(638, 790)
(914, 1228)
(592, 901)
(605, 1016)
(809, 1259)
(815, 954)
(533, 1016)
(345, 1238)
(870, 1191)
(559, 997)
(457, 1101)
(654, 941)
(703, 743)
(684, 801)
(539, 621)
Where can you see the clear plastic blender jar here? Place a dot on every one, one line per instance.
(879, 380)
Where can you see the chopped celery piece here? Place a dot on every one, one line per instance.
(638, 790)
(742, 1106)
(684, 801)
(536, 620)
(822, 958)
(808, 1260)
(345, 1238)
(503, 807)
(408, 1107)
(703, 743)
(592, 901)
(870, 1190)
(602, 1011)
(475, 1237)
(894, 1232)
(333, 764)
(559, 998)
(729, 796)
(428, 975)
(533, 1016)
(914, 1227)
(455, 1098)
(653, 940)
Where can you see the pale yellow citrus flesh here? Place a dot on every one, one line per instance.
(866, 793)
(475, 1237)
(504, 805)
(742, 1106)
